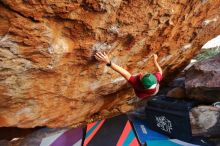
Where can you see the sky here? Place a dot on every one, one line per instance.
(213, 43)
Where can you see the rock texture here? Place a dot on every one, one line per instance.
(203, 80)
(177, 92)
(205, 121)
(48, 75)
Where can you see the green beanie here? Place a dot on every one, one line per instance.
(148, 80)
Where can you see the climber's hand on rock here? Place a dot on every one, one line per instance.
(102, 57)
(155, 57)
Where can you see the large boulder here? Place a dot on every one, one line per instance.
(205, 121)
(203, 80)
(48, 75)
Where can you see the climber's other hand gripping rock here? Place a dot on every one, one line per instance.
(102, 57)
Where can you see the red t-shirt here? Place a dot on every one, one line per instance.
(139, 88)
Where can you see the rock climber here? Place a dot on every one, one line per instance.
(145, 85)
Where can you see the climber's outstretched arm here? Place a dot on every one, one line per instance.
(156, 64)
(104, 58)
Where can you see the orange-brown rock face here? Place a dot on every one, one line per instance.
(48, 74)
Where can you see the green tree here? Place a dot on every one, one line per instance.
(207, 53)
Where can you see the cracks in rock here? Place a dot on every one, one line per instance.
(11, 58)
(87, 5)
(18, 13)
